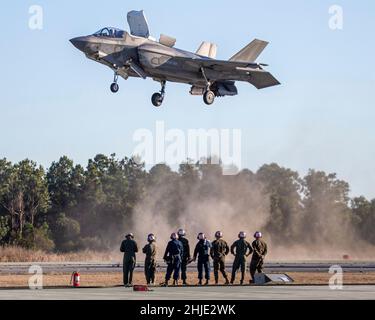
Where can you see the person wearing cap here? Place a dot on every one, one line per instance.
(172, 257)
(259, 253)
(186, 254)
(150, 261)
(240, 249)
(202, 251)
(129, 247)
(219, 250)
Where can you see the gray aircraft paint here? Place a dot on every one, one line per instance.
(135, 55)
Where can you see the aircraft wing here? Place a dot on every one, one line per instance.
(233, 70)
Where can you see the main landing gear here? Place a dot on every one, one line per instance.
(208, 95)
(158, 97)
(114, 86)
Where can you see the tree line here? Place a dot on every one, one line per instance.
(68, 207)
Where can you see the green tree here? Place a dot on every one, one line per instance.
(327, 214)
(24, 193)
(65, 183)
(66, 233)
(364, 218)
(283, 186)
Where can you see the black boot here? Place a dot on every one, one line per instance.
(207, 282)
(226, 281)
(200, 282)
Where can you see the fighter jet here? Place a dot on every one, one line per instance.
(137, 54)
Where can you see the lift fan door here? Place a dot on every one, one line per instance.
(138, 24)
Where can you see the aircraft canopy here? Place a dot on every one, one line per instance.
(109, 32)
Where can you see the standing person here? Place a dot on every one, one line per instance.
(219, 250)
(239, 249)
(129, 247)
(186, 254)
(202, 250)
(150, 261)
(172, 257)
(260, 251)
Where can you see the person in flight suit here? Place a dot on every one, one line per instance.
(259, 253)
(240, 249)
(202, 251)
(219, 250)
(186, 255)
(150, 261)
(172, 256)
(129, 247)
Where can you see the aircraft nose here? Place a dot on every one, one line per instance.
(79, 42)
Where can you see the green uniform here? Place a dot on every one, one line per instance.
(240, 248)
(219, 250)
(150, 261)
(260, 250)
(129, 248)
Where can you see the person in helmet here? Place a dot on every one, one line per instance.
(219, 250)
(150, 261)
(172, 256)
(240, 249)
(129, 247)
(259, 253)
(202, 251)
(186, 254)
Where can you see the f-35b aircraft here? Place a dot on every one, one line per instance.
(139, 55)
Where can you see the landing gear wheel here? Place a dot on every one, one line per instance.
(157, 99)
(209, 97)
(114, 87)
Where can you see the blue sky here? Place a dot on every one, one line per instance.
(55, 102)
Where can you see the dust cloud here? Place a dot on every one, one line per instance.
(323, 233)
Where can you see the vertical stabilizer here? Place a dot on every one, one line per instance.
(251, 52)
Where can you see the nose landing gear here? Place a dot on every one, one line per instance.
(114, 86)
(158, 97)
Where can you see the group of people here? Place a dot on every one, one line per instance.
(177, 257)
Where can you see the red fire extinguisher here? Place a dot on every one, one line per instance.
(75, 279)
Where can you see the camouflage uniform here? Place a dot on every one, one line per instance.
(239, 248)
(219, 250)
(260, 250)
(150, 261)
(129, 248)
(185, 257)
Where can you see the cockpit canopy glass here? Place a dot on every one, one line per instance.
(110, 33)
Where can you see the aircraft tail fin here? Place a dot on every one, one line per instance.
(251, 52)
(207, 49)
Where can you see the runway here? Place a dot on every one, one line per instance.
(281, 267)
(291, 292)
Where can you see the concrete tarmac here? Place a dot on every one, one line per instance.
(278, 267)
(291, 292)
